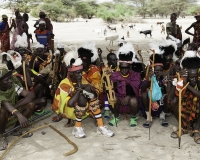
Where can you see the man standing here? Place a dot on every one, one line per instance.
(4, 36)
(172, 28)
(196, 27)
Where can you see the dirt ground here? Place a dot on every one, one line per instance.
(128, 143)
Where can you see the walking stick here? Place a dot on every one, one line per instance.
(150, 98)
(179, 110)
(24, 71)
(109, 88)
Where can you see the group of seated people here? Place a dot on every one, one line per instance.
(80, 85)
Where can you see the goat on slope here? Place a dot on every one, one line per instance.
(146, 32)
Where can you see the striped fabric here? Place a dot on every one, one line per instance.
(42, 37)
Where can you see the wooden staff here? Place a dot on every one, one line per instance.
(179, 109)
(109, 87)
(24, 71)
(139, 51)
(150, 98)
(147, 70)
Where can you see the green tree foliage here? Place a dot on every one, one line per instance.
(114, 12)
(85, 9)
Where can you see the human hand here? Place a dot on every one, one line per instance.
(23, 121)
(183, 73)
(151, 73)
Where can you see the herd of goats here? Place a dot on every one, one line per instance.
(116, 36)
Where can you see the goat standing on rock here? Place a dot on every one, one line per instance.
(146, 32)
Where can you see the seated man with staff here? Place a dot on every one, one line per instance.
(107, 70)
(9, 104)
(190, 103)
(126, 85)
(73, 99)
(158, 104)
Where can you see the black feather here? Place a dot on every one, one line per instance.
(72, 61)
(126, 57)
(191, 63)
(167, 50)
(158, 58)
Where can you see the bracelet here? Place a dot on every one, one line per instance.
(15, 110)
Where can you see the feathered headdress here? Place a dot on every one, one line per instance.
(190, 60)
(21, 41)
(59, 45)
(158, 60)
(88, 50)
(16, 59)
(72, 61)
(126, 53)
(38, 45)
(165, 48)
(168, 47)
(57, 52)
(177, 41)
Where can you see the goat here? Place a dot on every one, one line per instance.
(162, 29)
(131, 26)
(112, 28)
(146, 32)
(128, 34)
(98, 31)
(121, 41)
(112, 38)
(159, 23)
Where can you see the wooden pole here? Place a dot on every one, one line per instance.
(179, 109)
(150, 98)
(24, 71)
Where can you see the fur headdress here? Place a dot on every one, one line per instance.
(21, 41)
(190, 60)
(158, 60)
(88, 50)
(165, 48)
(126, 53)
(168, 47)
(16, 59)
(72, 61)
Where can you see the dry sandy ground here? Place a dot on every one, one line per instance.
(128, 143)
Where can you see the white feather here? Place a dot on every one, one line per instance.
(91, 46)
(188, 54)
(168, 42)
(56, 52)
(21, 41)
(174, 39)
(71, 55)
(155, 47)
(15, 61)
(78, 62)
(38, 45)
